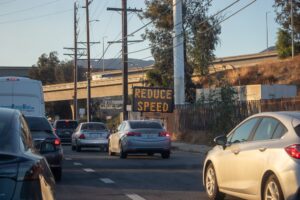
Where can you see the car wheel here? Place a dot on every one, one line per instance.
(272, 189)
(73, 147)
(123, 154)
(165, 155)
(57, 174)
(150, 154)
(211, 184)
(78, 148)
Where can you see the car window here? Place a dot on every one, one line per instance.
(25, 134)
(243, 132)
(93, 126)
(38, 124)
(279, 132)
(66, 124)
(9, 134)
(265, 129)
(145, 124)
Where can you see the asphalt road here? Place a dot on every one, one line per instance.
(92, 174)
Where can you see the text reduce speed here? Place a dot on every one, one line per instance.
(147, 99)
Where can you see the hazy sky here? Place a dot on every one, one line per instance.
(29, 28)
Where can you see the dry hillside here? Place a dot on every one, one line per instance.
(278, 72)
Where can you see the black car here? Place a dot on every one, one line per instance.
(42, 133)
(24, 173)
(64, 128)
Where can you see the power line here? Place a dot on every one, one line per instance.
(36, 17)
(209, 29)
(30, 8)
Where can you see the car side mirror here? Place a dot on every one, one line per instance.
(221, 140)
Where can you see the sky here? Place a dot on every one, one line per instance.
(29, 28)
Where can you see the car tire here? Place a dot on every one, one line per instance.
(211, 184)
(150, 154)
(73, 147)
(272, 189)
(57, 172)
(123, 154)
(78, 148)
(165, 155)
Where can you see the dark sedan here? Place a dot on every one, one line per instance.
(47, 142)
(64, 128)
(24, 174)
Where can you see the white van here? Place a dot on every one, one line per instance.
(23, 94)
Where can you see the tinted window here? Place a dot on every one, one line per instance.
(93, 127)
(265, 129)
(279, 132)
(243, 132)
(38, 124)
(9, 133)
(145, 124)
(66, 124)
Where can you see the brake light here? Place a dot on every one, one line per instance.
(133, 134)
(57, 141)
(82, 136)
(12, 79)
(293, 150)
(164, 134)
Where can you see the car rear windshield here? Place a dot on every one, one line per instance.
(38, 124)
(145, 124)
(66, 124)
(93, 127)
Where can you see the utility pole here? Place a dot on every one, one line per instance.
(75, 115)
(88, 107)
(124, 54)
(292, 27)
(178, 54)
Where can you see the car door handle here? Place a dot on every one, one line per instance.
(262, 149)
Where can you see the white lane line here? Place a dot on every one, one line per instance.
(67, 158)
(107, 180)
(135, 197)
(88, 170)
(77, 164)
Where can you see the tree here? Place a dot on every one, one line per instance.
(200, 36)
(283, 44)
(283, 11)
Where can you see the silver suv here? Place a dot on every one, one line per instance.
(259, 159)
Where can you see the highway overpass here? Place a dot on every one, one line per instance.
(99, 88)
(111, 84)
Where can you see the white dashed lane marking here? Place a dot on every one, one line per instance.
(88, 170)
(77, 164)
(135, 197)
(107, 180)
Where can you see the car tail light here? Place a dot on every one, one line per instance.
(133, 134)
(57, 141)
(293, 150)
(82, 136)
(164, 134)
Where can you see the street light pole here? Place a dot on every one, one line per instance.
(267, 30)
(88, 107)
(103, 65)
(292, 26)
